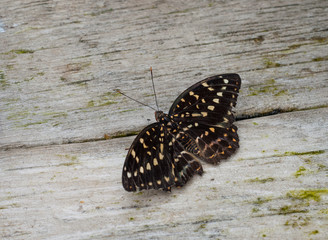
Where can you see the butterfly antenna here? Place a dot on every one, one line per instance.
(152, 80)
(118, 91)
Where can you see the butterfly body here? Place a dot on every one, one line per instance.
(199, 126)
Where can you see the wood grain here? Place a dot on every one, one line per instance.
(60, 62)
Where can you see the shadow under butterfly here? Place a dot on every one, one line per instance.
(199, 126)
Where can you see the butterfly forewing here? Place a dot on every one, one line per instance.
(204, 112)
(221, 89)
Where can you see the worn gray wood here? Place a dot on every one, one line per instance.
(73, 191)
(59, 64)
(80, 52)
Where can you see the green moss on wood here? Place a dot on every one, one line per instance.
(21, 51)
(268, 87)
(73, 160)
(104, 11)
(320, 39)
(307, 195)
(255, 210)
(294, 46)
(261, 200)
(289, 209)
(181, 11)
(301, 171)
(34, 123)
(268, 63)
(3, 82)
(314, 232)
(304, 153)
(258, 180)
(320, 59)
(297, 221)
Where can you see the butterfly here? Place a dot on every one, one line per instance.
(198, 126)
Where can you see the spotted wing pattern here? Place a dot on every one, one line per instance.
(204, 113)
(156, 160)
(199, 125)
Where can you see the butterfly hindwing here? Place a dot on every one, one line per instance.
(214, 143)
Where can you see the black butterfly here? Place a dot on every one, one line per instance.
(199, 125)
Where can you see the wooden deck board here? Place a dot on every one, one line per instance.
(74, 190)
(59, 64)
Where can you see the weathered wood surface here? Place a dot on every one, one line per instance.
(59, 64)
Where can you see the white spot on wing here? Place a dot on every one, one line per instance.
(226, 81)
(210, 107)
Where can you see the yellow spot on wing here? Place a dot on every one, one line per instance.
(155, 162)
(204, 114)
(148, 167)
(133, 153)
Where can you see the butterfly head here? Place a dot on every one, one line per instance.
(160, 116)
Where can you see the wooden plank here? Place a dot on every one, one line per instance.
(61, 61)
(59, 64)
(275, 186)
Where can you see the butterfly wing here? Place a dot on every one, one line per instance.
(204, 112)
(156, 161)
